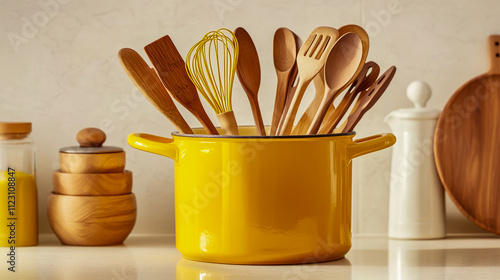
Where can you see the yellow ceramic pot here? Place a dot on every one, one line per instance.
(262, 200)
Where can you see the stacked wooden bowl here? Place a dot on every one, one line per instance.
(92, 203)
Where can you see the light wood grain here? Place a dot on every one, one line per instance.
(368, 98)
(248, 72)
(292, 87)
(368, 75)
(92, 220)
(90, 137)
(341, 68)
(305, 121)
(92, 184)
(146, 80)
(466, 145)
(365, 41)
(228, 123)
(92, 163)
(171, 70)
(310, 60)
(284, 55)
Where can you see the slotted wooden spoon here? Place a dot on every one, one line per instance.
(341, 69)
(171, 69)
(368, 98)
(248, 71)
(310, 60)
(146, 80)
(368, 75)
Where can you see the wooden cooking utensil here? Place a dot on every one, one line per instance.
(310, 60)
(340, 70)
(365, 41)
(466, 145)
(306, 119)
(211, 64)
(292, 87)
(284, 54)
(150, 86)
(171, 69)
(366, 78)
(368, 98)
(248, 71)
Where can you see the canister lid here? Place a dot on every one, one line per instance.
(15, 127)
(91, 140)
(419, 93)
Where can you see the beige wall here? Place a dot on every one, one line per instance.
(62, 73)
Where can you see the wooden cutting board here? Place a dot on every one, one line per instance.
(467, 145)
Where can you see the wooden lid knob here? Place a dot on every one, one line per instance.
(91, 137)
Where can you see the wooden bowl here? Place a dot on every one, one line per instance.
(92, 163)
(92, 220)
(92, 184)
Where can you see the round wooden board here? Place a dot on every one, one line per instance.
(467, 146)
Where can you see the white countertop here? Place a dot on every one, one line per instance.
(155, 257)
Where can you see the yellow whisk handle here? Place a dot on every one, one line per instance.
(228, 123)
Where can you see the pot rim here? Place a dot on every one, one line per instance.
(176, 133)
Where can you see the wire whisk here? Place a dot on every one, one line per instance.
(211, 65)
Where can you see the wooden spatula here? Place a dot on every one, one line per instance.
(171, 69)
(150, 86)
(248, 71)
(367, 76)
(310, 60)
(368, 98)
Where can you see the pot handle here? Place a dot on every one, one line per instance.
(153, 144)
(370, 144)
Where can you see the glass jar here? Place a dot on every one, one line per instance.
(18, 192)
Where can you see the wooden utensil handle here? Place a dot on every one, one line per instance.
(228, 123)
(294, 107)
(204, 119)
(494, 52)
(257, 116)
(279, 103)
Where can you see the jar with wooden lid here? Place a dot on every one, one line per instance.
(92, 203)
(18, 192)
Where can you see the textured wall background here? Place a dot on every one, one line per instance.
(59, 69)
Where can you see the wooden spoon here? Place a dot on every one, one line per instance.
(365, 41)
(310, 60)
(248, 71)
(171, 69)
(368, 98)
(341, 69)
(284, 54)
(367, 76)
(146, 80)
(292, 87)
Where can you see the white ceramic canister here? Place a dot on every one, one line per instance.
(416, 208)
